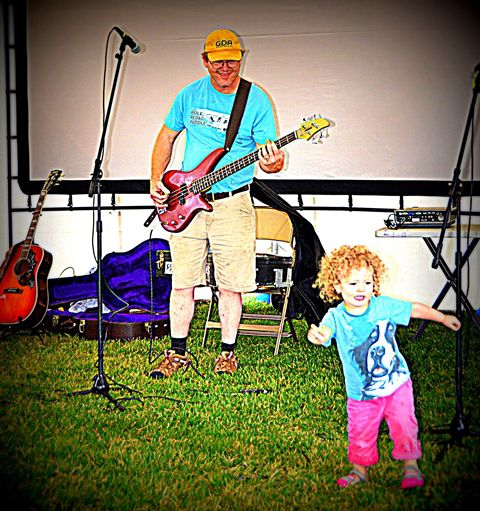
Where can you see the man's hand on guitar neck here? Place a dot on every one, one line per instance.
(270, 158)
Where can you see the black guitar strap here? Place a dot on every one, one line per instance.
(237, 112)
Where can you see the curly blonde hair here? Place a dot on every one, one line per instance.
(340, 263)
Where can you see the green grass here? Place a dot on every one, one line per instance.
(201, 443)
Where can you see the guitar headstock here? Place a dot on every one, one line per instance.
(314, 128)
(52, 179)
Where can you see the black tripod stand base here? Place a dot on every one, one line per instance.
(458, 430)
(101, 387)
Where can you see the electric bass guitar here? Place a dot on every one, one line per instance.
(187, 189)
(24, 272)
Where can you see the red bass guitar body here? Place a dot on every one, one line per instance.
(185, 201)
(23, 286)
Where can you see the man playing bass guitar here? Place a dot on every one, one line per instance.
(203, 109)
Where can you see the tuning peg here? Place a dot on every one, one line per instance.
(318, 137)
(311, 117)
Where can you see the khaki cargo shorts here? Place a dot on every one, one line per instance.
(229, 233)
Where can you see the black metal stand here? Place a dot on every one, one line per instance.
(451, 283)
(459, 426)
(100, 380)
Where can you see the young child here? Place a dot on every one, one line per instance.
(377, 378)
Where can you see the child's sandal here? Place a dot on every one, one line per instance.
(412, 478)
(355, 477)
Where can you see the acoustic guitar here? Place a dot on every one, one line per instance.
(24, 272)
(186, 189)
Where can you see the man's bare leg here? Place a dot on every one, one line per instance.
(230, 312)
(182, 308)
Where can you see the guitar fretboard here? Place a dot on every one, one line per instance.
(33, 225)
(205, 182)
(52, 180)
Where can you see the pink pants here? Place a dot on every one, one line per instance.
(364, 418)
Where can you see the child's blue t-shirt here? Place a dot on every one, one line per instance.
(204, 112)
(372, 363)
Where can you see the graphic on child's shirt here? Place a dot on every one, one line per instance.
(378, 361)
(215, 120)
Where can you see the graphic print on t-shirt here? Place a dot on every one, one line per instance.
(378, 362)
(207, 118)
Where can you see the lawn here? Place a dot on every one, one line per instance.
(271, 437)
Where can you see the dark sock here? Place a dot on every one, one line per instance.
(179, 345)
(228, 347)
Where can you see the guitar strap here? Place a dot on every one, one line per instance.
(237, 112)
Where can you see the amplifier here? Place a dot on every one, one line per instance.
(420, 217)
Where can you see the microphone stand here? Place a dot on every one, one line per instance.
(100, 382)
(459, 427)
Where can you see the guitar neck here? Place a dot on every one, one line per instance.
(205, 182)
(33, 225)
(52, 180)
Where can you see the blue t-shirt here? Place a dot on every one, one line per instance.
(204, 112)
(372, 363)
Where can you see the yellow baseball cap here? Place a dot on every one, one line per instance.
(223, 44)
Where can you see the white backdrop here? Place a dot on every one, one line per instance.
(393, 76)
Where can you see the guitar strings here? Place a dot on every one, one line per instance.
(205, 182)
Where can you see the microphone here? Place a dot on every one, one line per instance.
(135, 47)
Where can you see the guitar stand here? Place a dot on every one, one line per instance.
(5, 332)
(10, 330)
(100, 383)
(459, 426)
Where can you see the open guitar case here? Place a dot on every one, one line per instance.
(135, 297)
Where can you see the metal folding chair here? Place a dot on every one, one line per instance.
(274, 234)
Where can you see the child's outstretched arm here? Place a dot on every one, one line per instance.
(422, 311)
(319, 334)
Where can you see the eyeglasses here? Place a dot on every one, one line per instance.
(219, 63)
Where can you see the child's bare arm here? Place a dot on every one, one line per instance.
(422, 311)
(319, 334)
